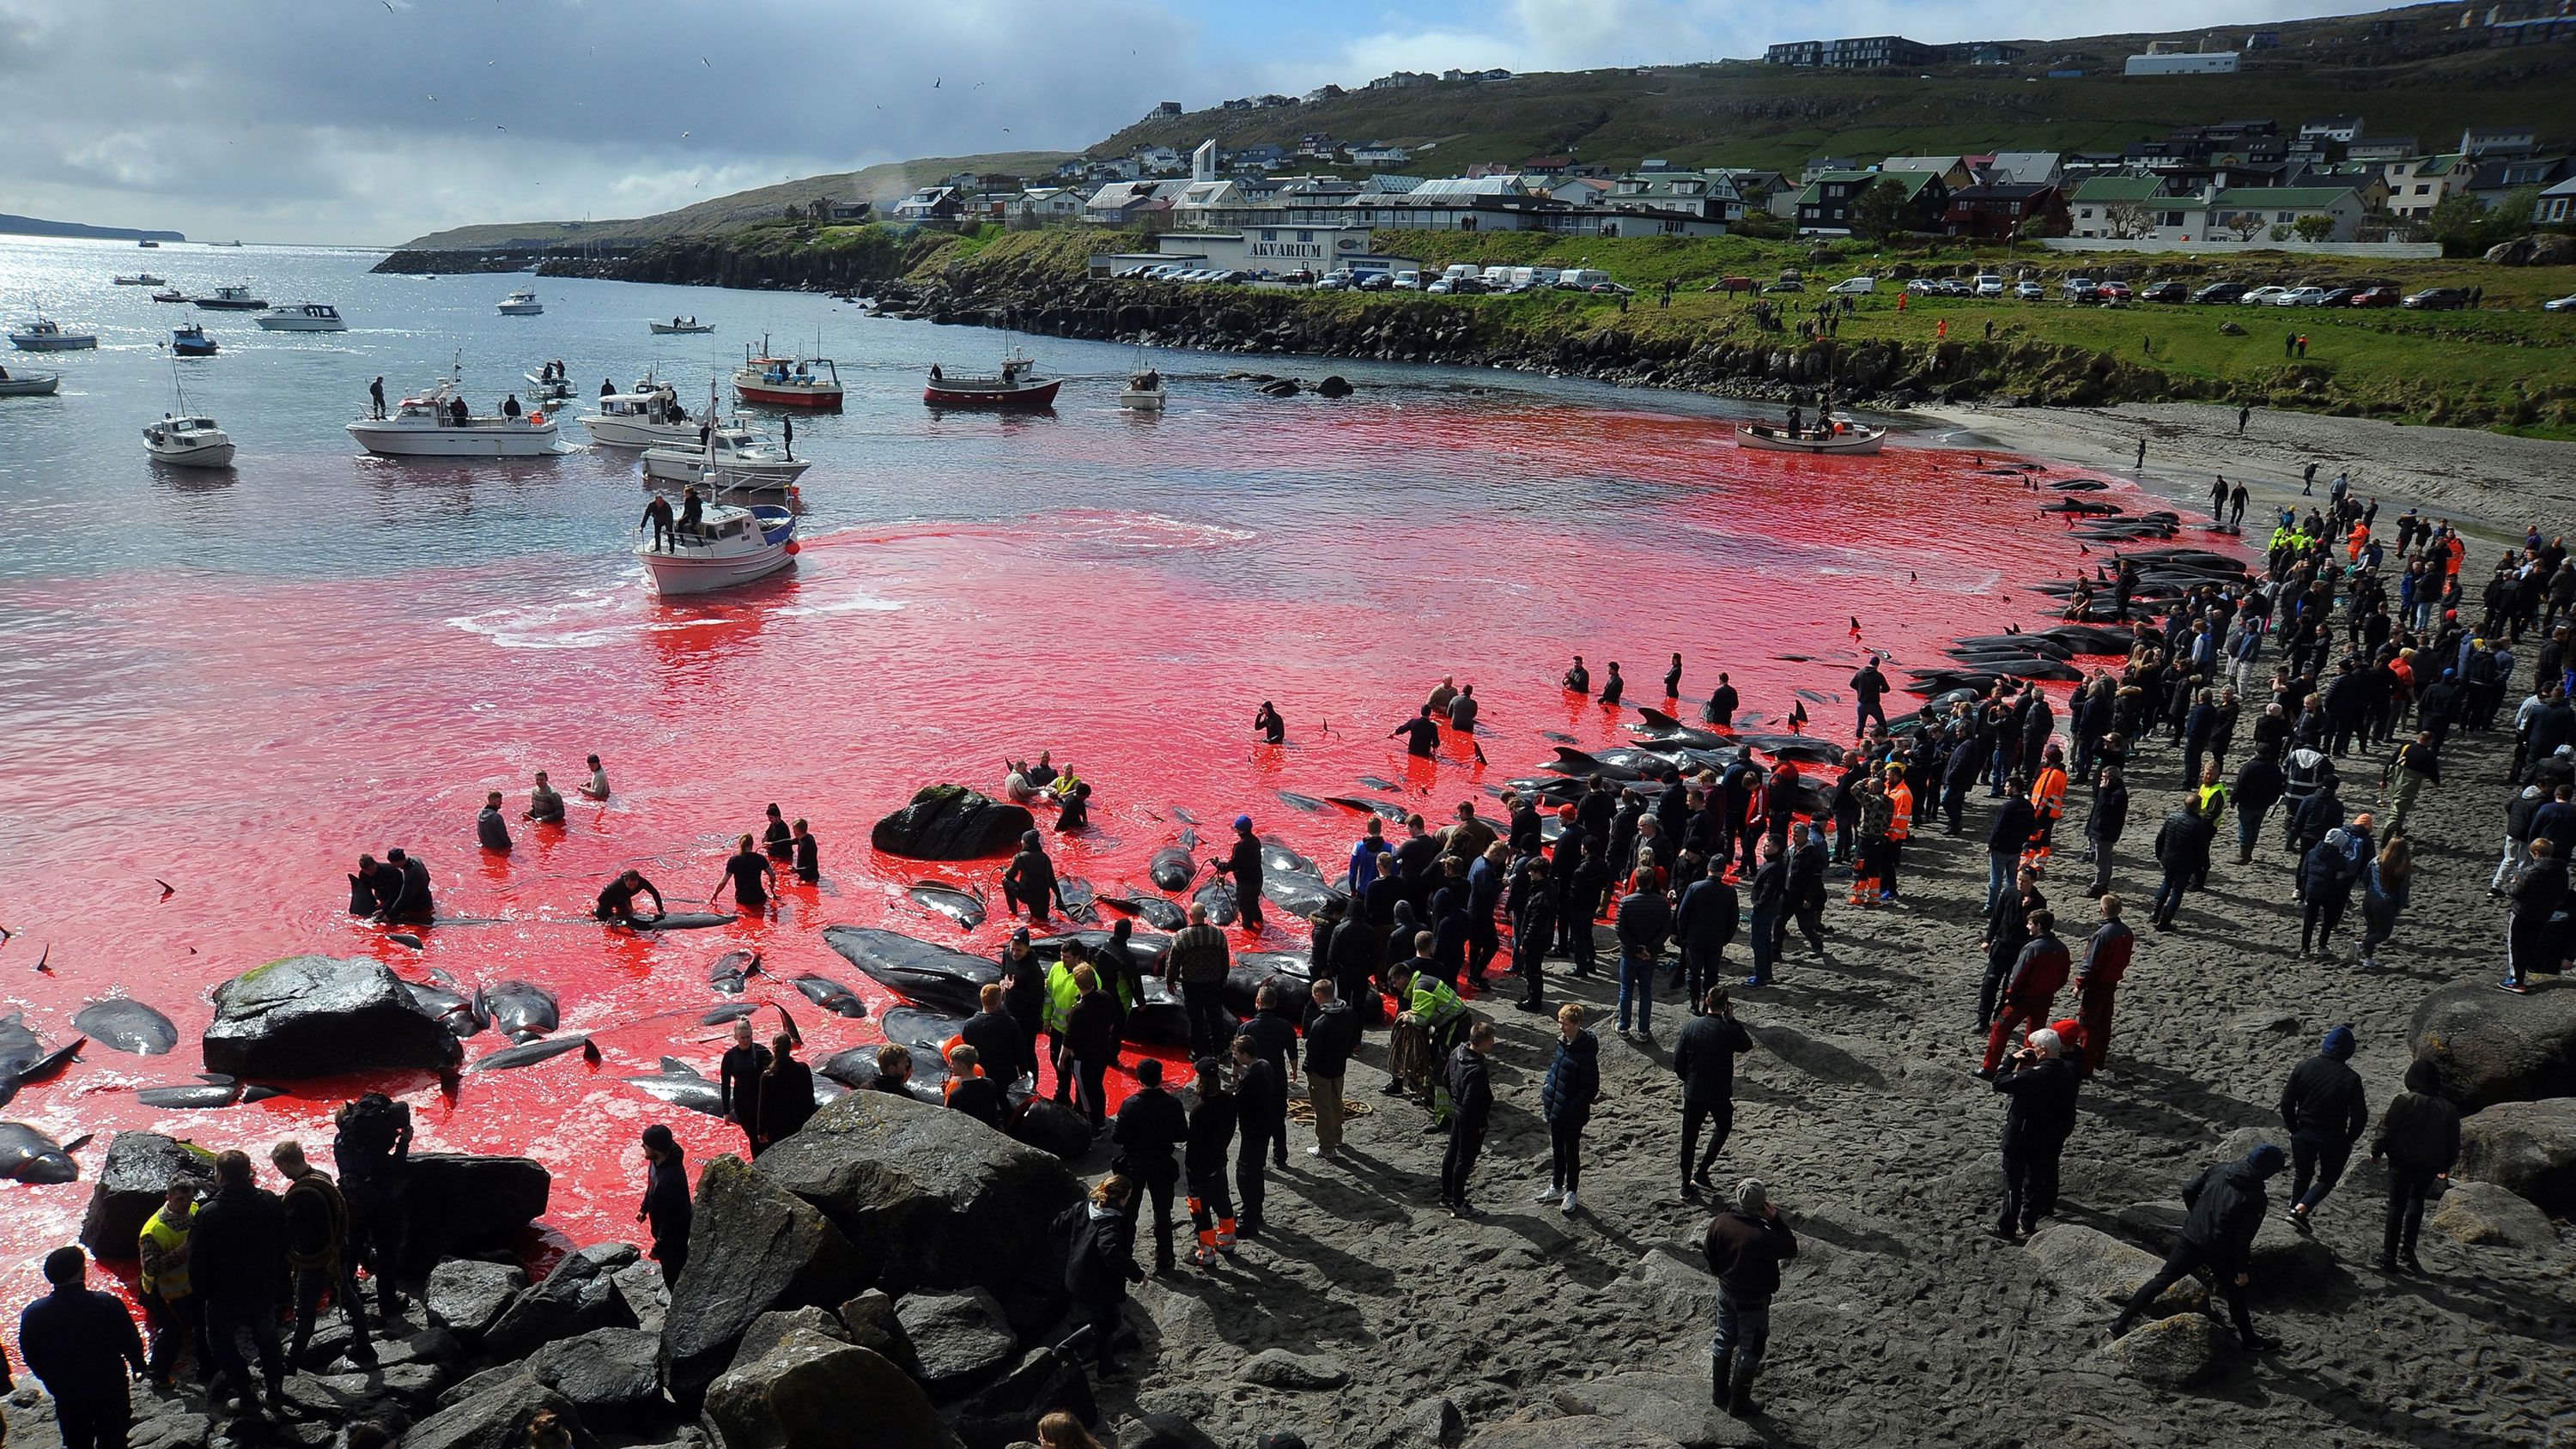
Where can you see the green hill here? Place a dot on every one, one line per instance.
(2428, 80)
(881, 185)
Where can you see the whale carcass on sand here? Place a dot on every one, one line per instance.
(918, 971)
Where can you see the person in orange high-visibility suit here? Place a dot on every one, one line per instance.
(1900, 824)
(2047, 803)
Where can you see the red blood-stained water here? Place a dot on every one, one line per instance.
(244, 739)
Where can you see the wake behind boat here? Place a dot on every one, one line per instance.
(439, 424)
(728, 546)
(1016, 386)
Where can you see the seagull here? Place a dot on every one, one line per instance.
(389, 6)
(684, 135)
(702, 60)
(935, 80)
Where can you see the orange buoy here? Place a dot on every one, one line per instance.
(791, 548)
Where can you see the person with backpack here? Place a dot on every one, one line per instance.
(317, 1232)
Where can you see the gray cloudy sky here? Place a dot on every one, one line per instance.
(376, 120)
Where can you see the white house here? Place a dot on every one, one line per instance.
(1159, 160)
(2341, 129)
(2215, 62)
(2417, 184)
(2026, 168)
(1379, 154)
(1050, 203)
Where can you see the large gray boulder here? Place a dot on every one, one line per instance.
(128, 1191)
(576, 1298)
(466, 1296)
(2483, 1215)
(961, 1339)
(2172, 1352)
(1671, 1405)
(2285, 1263)
(812, 1392)
(752, 1247)
(322, 1016)
(495, 1418)
(951, 822)
(2493, 1046)
(612, 1375)
(2099, 1270)
(872, 1323)
(929, 1197)
(2526, 1147)
(458, 1202)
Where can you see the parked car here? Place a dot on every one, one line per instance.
(1854, 287)
(2112, 294)
(1378, 282)
(2439, 299)
(2339, 296)
(2263, 296)
(2078, 289)
(2560, 304)
(2219, 292)
(2382, 296)
(1407, 282)
(1786, 287)
(2165, 291)
(2030, 291)
(1613, 289)
(2301, 297)
(1440, 287)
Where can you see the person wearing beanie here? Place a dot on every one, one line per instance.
(82, 1344)
(1243, 862)
(2420, 1137)
(1030, 881)
(2042, 1084)
(2322, 1105)
(2225, 1206)
(1745, 1246)
(666, 1201)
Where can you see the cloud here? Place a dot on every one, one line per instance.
(288, 120)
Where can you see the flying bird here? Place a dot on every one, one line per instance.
(934, 82)
(389, 6)
(709, 64)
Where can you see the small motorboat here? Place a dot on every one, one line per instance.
(1834, 436)
(519, 304)
(676, 326)
(735, 457)
(1017, 386)
(303, 317)
(232, 299)
(192, 341)
(650, 416)
(548, 388)
(437, 424)
(44, 334)
(169, 294)
(148, 244)
(140, 279)
(787, 382)
(730, 545)
(1144, 392)
(188, 442)
(29, 384)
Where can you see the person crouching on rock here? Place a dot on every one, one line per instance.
(2226, 1206)
(1745, 1247)
(1102, 1264)
(666, 1199)
(616, 903)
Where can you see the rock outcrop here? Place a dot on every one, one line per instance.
(753, 1247)
(138, 1170)
(812, 1392)
(322, 1016)
(2492, 1046)
(2528, 1148)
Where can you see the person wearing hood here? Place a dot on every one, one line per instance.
(2323, 1107)
(2042, 1085)
(2419, 1134)
(1565, 1099)
(2536, 898)
(1745, 1247)
(1030, 881)
(1243, 862)
(2325, 886)
(2258, 787)
(2182, 849)
(2225, 1206)
(666, 1206)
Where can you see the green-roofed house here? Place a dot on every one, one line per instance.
(2416, 184)
(2112, 206)
(2129, 208)
(1825, 204)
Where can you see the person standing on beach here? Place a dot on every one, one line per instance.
(666, 1207)
(2218, 499)
(1704, 1058)
(2029, 993)
(1471, 1102)
(2182, 849)
(2419, 1134)
(1745, 1246)
(2102, 828)
(2236, 506)
(1149, 1126)
(1261, 1099)
(1644, 924)
(1332, 1032)
(2142, 456)
(1565, 1099)
(1203, 1164)
(81, 1344)
(2323, 1108)
(2038, 1119)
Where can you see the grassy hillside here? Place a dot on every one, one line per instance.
(2429, 82)
(880, 184)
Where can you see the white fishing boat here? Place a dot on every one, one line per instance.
(170, 294)
(232, 299)
(1144, 392)
(648, 417)
(28, 384)
(729, 546)
(549, 388)
(191, 442)
(439, 424)
(139, 279)
(303, 317)
(734, 457)
(519, 304)
(44, 334)
(675, 326)
(1837, 436)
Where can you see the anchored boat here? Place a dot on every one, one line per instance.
(44, 334)
(519, 304)
(188, 442)
(650, 416)
(303, 317)
(1016, 386)
(1840, 436)
(735, 459)
(787, 382)
(232, 299)
(192, 341)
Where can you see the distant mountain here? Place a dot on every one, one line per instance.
(38, 226)
(881, 185)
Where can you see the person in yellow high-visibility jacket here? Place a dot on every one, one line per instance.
(171, 1306)
(2047, 804)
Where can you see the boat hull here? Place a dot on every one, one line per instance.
(194, 349)
(630, 433)
(212, 305)
(387, 440)
(1762, 439)
(302, 324)
(41, 385)
(675, 574)
(1022, 398)
(1141, 400)
(667, 330)
(772, 395)
(74, 343)
(668, 466)
(211, 455)
(528, 309)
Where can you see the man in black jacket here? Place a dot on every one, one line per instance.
(1645, 922)
(1243, 862)
(1704, 1058)
(2182, 850)
(1745, 1247)
(1001, 1044)
(2006, 839)
(1029, 881)
(2323, 1108)
(1261, 1099)
(1332, 1030)
(1273, 1037)
(1471, 1100)
(2103, 827)
(236, 1260)
(1581, 908)
(740, 1074)
(2225, 1205)
(82, 1345)
(1868, 687)
(1805, 891)
(372, 1146)
(2258, 787)
(2042, 1085)
(1203, 1164)
(1769, 893)
(1705, 922)
(1533, 933)
(1149, 1126)
(2420, 1137)
(2007, 931)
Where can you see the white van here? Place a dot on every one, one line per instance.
(1990, 284)
(1853, 287)
(1457, 270)
(1524, 278)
